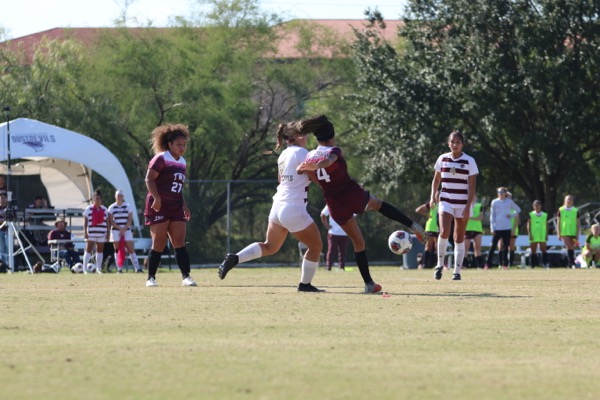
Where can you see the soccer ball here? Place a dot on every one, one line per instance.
(77, 268)
(400, 242)
(91, 267)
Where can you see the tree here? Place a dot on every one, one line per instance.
(517, 76)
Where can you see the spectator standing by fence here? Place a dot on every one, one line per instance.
(95, 231)
(537, 229)
(120, 220)
(474, 232)
(432, 229)
(337, 240)
(502, 211)
(568, 227)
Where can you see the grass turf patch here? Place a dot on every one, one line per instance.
(527, 334)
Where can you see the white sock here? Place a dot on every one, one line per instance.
(250, 252)
(117, 261)
(86, 258)
(99, 259)
(309, 269)
(442, 245)
(459, 256)
(134, 261)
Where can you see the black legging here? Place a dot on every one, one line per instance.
(503, 254)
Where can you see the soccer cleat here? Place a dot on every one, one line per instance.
(419, 232)
(456, 277)
(151, 282)
(372, 287)
(120, 270)
(231, 260)
(188, 282)
(437, 272)
(307, 287)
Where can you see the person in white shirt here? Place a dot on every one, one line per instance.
(337, 240)
(457, 173)
(288, 213)
(502, 211)
(120, 218)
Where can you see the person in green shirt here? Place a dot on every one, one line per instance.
(591, 250)
(568, 226)
(432, 229)
(537, 229)
(474, 232)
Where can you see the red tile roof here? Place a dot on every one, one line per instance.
(291, 34)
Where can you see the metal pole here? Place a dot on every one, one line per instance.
(10, 233)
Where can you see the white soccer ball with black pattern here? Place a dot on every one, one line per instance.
(91, 268)
(400, 242)
(77, 268)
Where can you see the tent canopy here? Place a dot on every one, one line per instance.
(64, 160)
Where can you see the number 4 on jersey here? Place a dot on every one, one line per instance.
(322, 175)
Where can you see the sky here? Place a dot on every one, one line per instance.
(24, 17)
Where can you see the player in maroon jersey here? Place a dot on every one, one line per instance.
(343, 195)
(166, 212)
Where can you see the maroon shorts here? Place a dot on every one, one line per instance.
(168, 212)
(471, 234)
(343, 207)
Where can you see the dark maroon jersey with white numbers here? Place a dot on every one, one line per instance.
(169, 182)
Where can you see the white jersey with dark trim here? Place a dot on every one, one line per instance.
(120, 213)
(293, 187)
(455, 174)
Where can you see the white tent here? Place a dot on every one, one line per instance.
(64, 160)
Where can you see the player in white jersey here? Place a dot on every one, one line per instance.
(95, 230)
(288, 213)
(457, 173)
(120, 218)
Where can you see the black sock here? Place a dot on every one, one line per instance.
(545, 258)
(511, 260)
(534, 260)
(391, 212)
(571, 254)
(153, 263)
(363, 266)
(183, 261)
(480, 262)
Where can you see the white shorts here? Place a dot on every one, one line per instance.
(115, 235)
(97, 239)
(456, 211)
(292, 217)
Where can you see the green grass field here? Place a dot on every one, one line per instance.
(519, 334)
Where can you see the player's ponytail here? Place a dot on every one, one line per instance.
(318, 125)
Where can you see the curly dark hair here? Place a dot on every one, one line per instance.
(319, 125)
(165, 134)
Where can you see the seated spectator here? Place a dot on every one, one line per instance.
(3, 188)
(36, 219)
(591, 250)
(66, 250)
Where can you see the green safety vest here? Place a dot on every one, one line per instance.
(472, 225)
(568, 221)
(594, 242)
(538, 227)
(432, 222)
